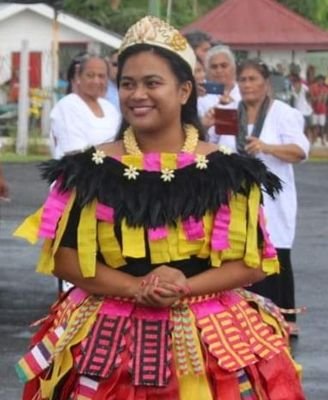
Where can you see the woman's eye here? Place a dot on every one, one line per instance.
(126, 85)
(153, 84)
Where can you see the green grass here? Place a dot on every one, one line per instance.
(9, 157)
(318, 159)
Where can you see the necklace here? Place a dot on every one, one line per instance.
(131, 146)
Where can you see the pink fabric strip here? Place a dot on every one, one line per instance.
(214, 306)
(150, 313)
(220, 234)
(193, 229)
(104, 213)
(52, 211)
(77, 295)
(116, 308)
(152, 162)
(269, 250)
(157, 233)
(207, 307)
(185, 159)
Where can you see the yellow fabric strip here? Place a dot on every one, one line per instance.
(252, 256)
(46, 261)
(187, 247)
(87, 240)
(109, 245)
(270, 320)
(204, 251)
(133, 241)
(237, 228)
(194, 387)
(63, 222)
(29, 229)
(159, 251)
(173, 244)
(133, 160)
(63, 361)
(168, 160)
(270, 266)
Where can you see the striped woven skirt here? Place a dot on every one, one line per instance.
(228, 346)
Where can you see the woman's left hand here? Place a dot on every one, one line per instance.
(255, 145)
(163, 287)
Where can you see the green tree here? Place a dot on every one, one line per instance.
(314, 10)
(118, 15)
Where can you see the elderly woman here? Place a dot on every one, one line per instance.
(272, 131)
(83, 117)
(220, 66)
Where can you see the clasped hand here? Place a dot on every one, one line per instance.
(162, 287)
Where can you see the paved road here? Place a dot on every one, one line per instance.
(25, 295)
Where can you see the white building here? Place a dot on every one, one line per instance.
(35, 23)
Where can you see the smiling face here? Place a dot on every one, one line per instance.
(92, 79)
(150, 94)
(253, 86)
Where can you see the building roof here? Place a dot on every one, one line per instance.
(246, 24)
(94, 32)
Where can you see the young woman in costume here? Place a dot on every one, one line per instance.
(158, 231)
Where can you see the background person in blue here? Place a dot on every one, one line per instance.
(112, 90)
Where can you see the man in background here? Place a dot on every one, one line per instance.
(201, 42)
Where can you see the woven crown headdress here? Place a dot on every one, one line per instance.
(153, 31)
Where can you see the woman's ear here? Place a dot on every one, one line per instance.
(185, 91)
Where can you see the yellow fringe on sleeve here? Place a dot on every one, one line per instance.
(87, 240)
(109, 245)
(46, 261)
(133, 241)
(252, 257)
(29, 229)
(237, 228)
(204, 251)
(187, 247)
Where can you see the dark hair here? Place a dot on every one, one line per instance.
(198, 59)
(295, 77)
(77, 65)
(196, 38)
(113, 52)
(183, 73)
(319, 78)
(254, 63)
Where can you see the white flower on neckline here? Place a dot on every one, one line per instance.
(167, 174)
(201, 161)
(131, 172)
(98, 157)
(225, 149)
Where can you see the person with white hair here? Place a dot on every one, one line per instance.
(220, 67)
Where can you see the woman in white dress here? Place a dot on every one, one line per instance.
(272, 131)
(83, 118)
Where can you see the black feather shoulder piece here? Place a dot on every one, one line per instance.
(147, 199)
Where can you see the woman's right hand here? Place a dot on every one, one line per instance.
(162, 287)
(208, 119)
